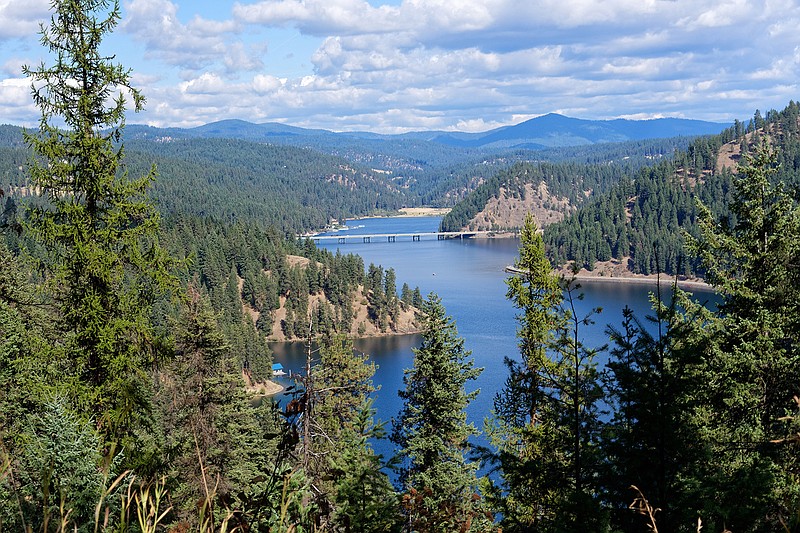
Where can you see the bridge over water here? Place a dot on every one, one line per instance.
(392, 237)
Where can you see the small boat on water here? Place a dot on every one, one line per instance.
(511, 269)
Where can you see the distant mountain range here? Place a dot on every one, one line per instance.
(557, 130)
(551, 130)
(300, 178)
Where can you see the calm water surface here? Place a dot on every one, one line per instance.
(469, 277)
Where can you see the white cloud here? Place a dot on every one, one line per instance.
(16, 104)
(263, 84)
(206, 84)
(322, 17)
(12, 66)
(445, 64)
(724, 14)
(22, 18)
(198, 45)
(15, 92)
(475, 125)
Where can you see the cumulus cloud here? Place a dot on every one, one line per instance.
(455, 64)
(264, 84)
(197, 45)
(21, 19)
(322, 17)
(12, 66)
(475, 125)
(16, 104)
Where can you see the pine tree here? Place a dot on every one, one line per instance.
(432, 432)
(23, 369)
(390, 292)
(645, 441)
(100, 229)
(406, 296)
(335, 422)
(575, 393)
(212, 439)
(416, 298)
(54, 481)
(520, 428)
(364, 500)
(545, 424)
(745, 367)
(376, 297)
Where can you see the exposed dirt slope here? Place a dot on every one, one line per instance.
(507, 211)
(362, 325)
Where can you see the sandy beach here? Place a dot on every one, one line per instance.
(423, 211)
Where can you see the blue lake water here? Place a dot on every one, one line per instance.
(469, 276)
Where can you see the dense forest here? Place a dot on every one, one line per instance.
(574, 174)
(299, 189)
(568, 181)
(644, 219)
(291, 188)
(127, 336)
(641, 216)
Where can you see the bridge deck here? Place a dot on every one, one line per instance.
(391, 237)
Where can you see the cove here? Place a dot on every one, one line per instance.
(469, 276)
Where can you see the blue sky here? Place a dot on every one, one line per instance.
(400, 65)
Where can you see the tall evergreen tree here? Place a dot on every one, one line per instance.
(644, 441)
(390, 292)
(432, 432)
(518, 428)
(545, 423)
(98, 226)
(212, 443)
(364, 500)
(575, 393)
(746, 366)
(23, 368)
(337, 460)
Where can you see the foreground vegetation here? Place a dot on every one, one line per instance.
(122, 359)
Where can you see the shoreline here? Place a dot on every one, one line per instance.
(406, 212)
(410, 212)
(264, 388)
(585, 276)
(367, 337)
(415, 331)
(646, 280)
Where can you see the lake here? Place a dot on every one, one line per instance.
(469, 276)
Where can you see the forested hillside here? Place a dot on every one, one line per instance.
(567, 185)
(590, 168)
(227, 208)
(127, 336)
(634, 214)
(643, 220)
(293, 189)
(425, 151)
(301, 189)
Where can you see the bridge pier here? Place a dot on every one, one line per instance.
(392, 237)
